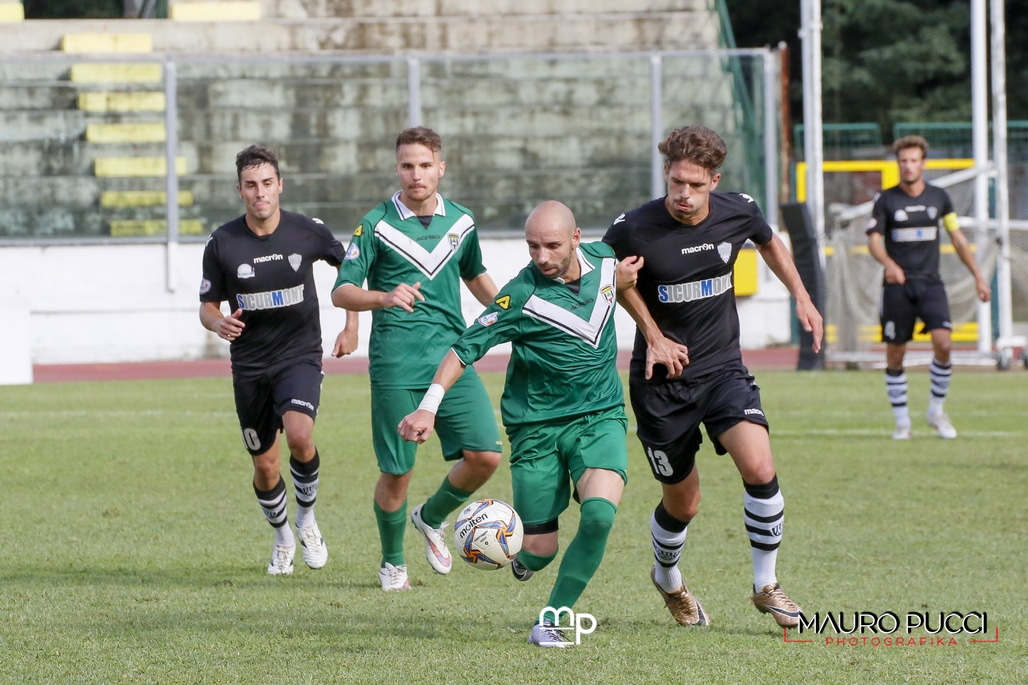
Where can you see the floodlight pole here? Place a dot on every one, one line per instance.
(1003, 293)
(980, 152)
(813, 145)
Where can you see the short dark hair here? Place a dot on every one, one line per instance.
(420, 135)
(697, 144)
(907, 142)
(255, 155)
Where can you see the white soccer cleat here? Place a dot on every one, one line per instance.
(546, 635)
(281, 560)
(941, 423)
(902, 432)
(312, 546)
(436, 552)
(393, 578)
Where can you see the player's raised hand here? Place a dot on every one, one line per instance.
(811, 321)
(231, 327)
(346, 343)
(417, 426)
(628, 272)
(894, 274)
(674, 356)
(404, 296)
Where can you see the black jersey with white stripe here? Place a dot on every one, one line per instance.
(911, 226)
(271, 278)
(687, 279)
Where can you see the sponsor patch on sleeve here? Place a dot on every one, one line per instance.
(205, 286)
(352, 252)
(488, 319)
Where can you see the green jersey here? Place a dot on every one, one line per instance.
(392, 246)
(563, 346)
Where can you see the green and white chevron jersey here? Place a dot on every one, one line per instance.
(563, 345)
(390, 247)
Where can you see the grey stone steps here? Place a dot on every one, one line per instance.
(388, 35)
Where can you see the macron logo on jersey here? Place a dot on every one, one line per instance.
(621, 217)
(676, 293)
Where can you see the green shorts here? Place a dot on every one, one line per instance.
(545, 459)
(465, 421)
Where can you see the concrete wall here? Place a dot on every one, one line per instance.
(104, 303)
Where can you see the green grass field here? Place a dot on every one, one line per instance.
(134, 551)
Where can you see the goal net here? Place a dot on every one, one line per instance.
(853, 277)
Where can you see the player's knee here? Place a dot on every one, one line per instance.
(543, 547)
(266, 472)
(483, 461)
(597, 517)
(301, 445)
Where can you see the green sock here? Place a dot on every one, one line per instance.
(446, 499)
(584, 554)
(391, 527)
(535, 562)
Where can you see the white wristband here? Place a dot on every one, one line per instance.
(433, 397)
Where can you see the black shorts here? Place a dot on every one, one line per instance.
(902, 304)
(263, 397)
(669, 414)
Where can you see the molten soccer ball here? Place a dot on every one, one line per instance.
(488, 533)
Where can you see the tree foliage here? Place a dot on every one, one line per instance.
(73, 9)
(887, 61)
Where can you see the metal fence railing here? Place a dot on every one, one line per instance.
(142, 148)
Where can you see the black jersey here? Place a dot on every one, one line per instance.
(687, 277)
(911, 228)
(272, 279)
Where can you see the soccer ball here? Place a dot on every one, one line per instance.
(488, 533)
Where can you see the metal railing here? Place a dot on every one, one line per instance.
(580, 127)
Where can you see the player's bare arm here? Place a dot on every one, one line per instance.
(346, 341)
(893, 272)
(659, 348)
(628, 272)
(483, 288)
(418, 425)
(776, 255)
(350, 297)
(963, 250)
(226, 327)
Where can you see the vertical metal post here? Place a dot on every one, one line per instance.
(999, 155)
(770, 137)
(980, 152)
(413, 91)
(813, 144)
(171, 171)
(657, 186)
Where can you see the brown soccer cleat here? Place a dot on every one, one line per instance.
(771, 600)
(682, 605)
